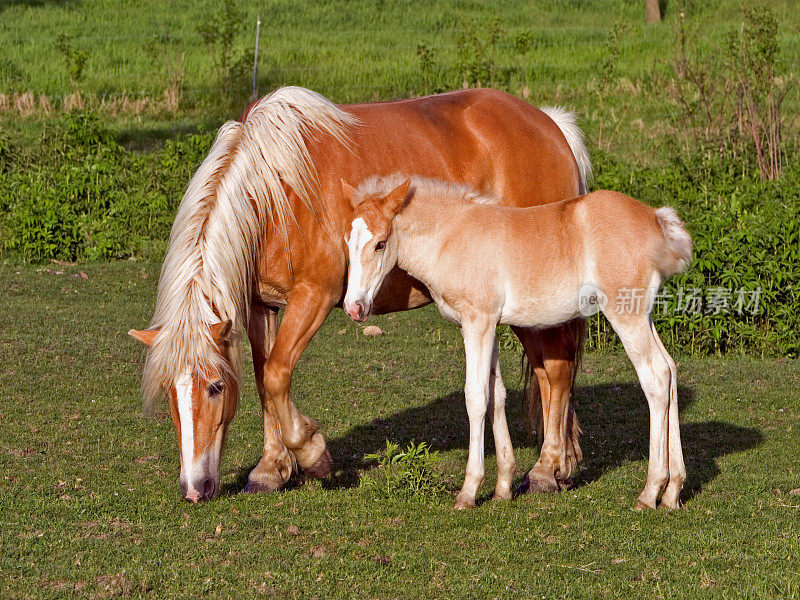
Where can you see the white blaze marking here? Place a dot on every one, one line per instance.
(183, 388)
(359, 236)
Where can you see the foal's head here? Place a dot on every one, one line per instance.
(202, 403)
(371, 247)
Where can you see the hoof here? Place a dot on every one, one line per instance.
(464, 505)
(537, 484)
(503, 496)
(642, 506)
(321, 468)
(262, 487)
(565, 484)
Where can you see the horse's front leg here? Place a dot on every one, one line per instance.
(305, 312)
(275, 466)
(478, 344)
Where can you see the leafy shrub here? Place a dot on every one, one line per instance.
(746, 235)
(84, 197)
(405, 473)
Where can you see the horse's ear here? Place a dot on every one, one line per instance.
(348, 191)
(221, 331)
(145, 336)
(395, 200)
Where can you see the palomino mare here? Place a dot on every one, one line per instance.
(477, 260)
(262, 225)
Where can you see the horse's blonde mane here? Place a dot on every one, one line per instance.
(432, 191)
(235, 194)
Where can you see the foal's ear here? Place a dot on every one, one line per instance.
(348, 191)
(145, 336)
(221, 331)
(395, 200)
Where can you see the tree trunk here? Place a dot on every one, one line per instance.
(653, 11)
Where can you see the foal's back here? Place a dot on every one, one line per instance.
(530, 263)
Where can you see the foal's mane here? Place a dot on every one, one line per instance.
(433, 192)
(235, 194)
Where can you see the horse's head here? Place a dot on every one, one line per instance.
(371, 247)
(202, 403)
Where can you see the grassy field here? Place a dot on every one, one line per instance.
(89, 502)
(367, 50)
(89, 505)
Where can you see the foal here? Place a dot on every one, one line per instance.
(486, 264)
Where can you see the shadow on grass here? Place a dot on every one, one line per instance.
(37, 3)
(151, 136)
(615, 418)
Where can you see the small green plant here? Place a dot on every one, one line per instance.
(75, 59)
(171, 63)
(477, 54)
(427, 64)
(506, 339)
(602, 86)
(219, 31)
(408, 472)
(729, 102)
(523, 42)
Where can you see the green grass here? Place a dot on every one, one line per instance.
(367, 50)
(89, 505)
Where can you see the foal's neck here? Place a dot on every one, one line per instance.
(419, 229)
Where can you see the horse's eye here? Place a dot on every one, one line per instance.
(380, 246)
(215, 389)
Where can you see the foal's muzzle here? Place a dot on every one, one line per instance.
(358, 310)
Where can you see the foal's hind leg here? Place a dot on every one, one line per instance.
(655, 376)
(677, 469)
(504, 451)
(478, 344)
(275, 466)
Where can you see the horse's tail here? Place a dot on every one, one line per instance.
(673, 253)
(567, 122)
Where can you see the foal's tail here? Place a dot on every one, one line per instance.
(674, 252)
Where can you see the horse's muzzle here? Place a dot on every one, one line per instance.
(205, 489)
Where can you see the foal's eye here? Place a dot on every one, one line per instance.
(215, 389)
(380, 246)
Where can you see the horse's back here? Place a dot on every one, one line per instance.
(485, 138)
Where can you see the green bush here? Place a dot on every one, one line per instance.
(746, 237)
(85, 197)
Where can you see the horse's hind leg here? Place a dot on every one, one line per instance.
(504, 451)
(552, 354)
(478, 344)
(677, 468)
(655, 377)
(305, 312)
(275, 466)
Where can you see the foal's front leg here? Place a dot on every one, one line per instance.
(478, 344)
